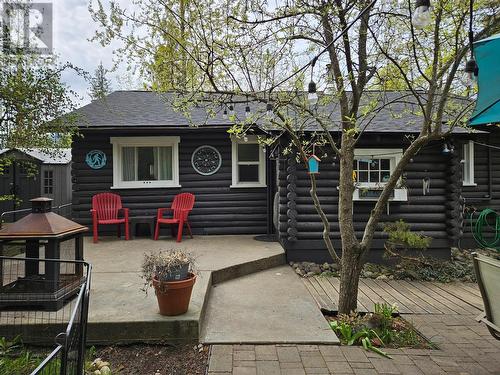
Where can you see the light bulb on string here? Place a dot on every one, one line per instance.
(312, 94)
(269, 110)
(471, 72)
(422, 16)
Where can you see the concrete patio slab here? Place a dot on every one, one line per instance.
(272, 306)
(120, 312)
(212, 253)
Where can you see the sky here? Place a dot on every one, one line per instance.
(72, 29)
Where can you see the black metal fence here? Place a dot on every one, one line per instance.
(46, 312)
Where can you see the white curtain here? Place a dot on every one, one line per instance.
(165, 163)
(128, 163)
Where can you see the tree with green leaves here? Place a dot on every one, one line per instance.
(34, 102)
(267, 53)
(100, 85)
(155, 43)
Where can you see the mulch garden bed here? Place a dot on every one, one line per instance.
(155, 359)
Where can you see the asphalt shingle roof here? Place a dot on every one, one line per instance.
(126, 109)
(50, 156)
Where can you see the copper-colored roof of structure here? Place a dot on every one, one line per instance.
(41, 223)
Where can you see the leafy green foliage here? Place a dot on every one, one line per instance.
(23, 364)
(9, 347)
(159, 44)
(363, 336)
(379, 329)
(17, 359)
(33, 101)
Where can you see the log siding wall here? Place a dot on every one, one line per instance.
(434, 214)
(479, 197)
(218, 209)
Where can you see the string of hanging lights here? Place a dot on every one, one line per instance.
(312, 89)
(471, 68)
(421, 17)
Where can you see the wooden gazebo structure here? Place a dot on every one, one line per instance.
(42, 282)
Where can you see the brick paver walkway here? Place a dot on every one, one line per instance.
(465, 347)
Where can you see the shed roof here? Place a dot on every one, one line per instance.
(50, 156)
(132, 109)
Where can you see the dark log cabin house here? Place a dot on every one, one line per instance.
(147, 152)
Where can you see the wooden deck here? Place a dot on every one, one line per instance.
(411, 297)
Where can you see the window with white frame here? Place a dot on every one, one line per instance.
(372, 170)
(468, 164)
(48, 182)
(145, 162)
(248, 161)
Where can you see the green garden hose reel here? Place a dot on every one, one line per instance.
(486, 228)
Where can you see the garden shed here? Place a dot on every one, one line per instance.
(31, 173)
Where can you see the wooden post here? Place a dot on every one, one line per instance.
(32, 267)
(52, 269)
(79, 254)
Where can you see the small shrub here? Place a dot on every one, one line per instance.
(401, 235)
(379, 329)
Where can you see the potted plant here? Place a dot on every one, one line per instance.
(171, 275)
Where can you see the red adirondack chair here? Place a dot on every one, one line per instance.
(106, 209)
(181, 206)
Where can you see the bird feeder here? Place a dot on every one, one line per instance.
(45, 281)
(313, 164)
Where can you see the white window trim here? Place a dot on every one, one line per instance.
(44, 180)
(119, 142)
(251, 139)
(395, 155)
(469, 159)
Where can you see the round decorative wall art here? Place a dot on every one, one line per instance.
(206, 160)
(95, 159)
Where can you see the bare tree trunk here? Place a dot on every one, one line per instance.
(349, 279)
(351, 250)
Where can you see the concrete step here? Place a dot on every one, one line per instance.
(247, 268)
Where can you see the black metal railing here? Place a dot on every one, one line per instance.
(25, 313)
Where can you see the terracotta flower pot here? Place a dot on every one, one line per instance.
(174, 296)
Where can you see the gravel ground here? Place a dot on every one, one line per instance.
(155, 359)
